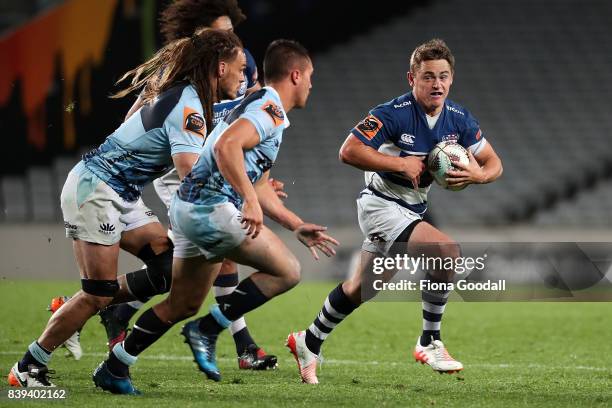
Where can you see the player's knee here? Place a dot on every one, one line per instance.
(352, 289)
(157, 246)
(449, 249)
(228, 267)
(99, 293)
(186, 309)
(293, 274)
(157, 277)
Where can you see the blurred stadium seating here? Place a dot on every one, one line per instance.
(535, 73)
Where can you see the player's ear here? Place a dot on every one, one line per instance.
(410, 78)
(296, 75)
(222, 68)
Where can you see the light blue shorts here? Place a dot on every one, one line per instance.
(212, 229)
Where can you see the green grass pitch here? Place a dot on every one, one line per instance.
(515, 354)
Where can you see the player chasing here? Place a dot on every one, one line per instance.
(181, 19)
(218, 214)
(101, 199)
(390, 145)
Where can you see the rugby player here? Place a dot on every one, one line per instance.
(101, 202)
(180, 19)
(390, 144)
(218, 214)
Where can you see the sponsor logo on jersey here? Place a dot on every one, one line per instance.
(69, 226)
(450, 108)
(401, 105)
(263, 161)
(369, 126)
(450, 137)
(407, 139)
(193, 122)
(274, 111)
(107, 228)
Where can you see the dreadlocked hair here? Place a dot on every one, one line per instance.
(183, 17)
(194, 59)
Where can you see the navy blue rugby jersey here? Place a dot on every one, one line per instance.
(400, 128)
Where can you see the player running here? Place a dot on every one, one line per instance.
(101, 202)
(180, 19)
(218, 213)
(390, 144)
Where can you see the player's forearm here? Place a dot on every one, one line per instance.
(367, 159)
(230, 159)
(491, 170)
(274, 208)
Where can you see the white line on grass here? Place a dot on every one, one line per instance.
(167, 357)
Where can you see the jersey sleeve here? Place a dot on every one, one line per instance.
(250, 73)
(266, 115)
(376, 128)
(471, 136)
(186, 127)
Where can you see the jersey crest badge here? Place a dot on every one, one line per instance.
(369, 126)
(193, 122)
(275, 112)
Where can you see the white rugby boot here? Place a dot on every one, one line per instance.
(34, 377)
(73, 345)
(306, 359)
(437, 357)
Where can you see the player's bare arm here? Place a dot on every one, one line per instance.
(183, 162)
(229, 151)
(364, 157)
(483, 168)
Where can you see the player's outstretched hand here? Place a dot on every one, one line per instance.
(314, 238)
(252, 218)
(278, 187)
(465, 174)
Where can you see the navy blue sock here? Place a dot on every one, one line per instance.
(147, 330)
(336, 308)
(124, 312)
(29, 359)
(223, 284)
(243, 339)
(243, 299)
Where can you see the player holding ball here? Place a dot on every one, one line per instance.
(390, 144)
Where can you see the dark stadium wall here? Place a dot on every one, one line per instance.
(55, 76)
(57, 70)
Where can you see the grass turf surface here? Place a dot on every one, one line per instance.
(515, 354)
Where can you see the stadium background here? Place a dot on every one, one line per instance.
(535, 72)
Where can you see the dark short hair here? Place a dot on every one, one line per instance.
(183, 17)
(434, 49)
(281, 57)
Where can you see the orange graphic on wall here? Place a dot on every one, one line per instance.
(77, 31)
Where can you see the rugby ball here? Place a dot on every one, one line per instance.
(441, 160)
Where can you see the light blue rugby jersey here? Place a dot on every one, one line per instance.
(205, 184)
(141, 149)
